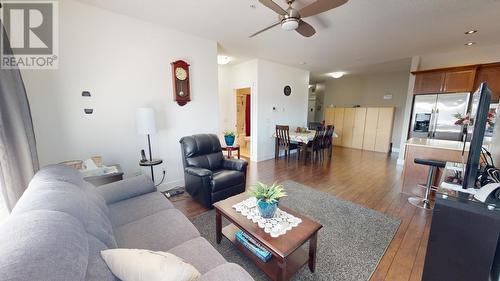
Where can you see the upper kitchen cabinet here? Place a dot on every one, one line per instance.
(449, 80)
(490, 73)
(456, 81)
(429, 82)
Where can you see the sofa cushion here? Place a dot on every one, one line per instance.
(226, 178)
(67, 198)
(199, 253)
(226, 272)
(159, 232)
(43, 245)
(135, 208)
(97, 270)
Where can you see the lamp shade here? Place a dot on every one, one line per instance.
(145, 118)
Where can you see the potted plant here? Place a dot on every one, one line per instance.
(267, 197)
(229, 138)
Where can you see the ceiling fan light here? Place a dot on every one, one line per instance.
(290, 24)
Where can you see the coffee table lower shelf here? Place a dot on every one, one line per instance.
(294, 261)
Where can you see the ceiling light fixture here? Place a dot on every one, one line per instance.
(470, 43)
(471, 32)
(221, 59)
(337, 74)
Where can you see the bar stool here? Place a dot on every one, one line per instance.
(425, 203)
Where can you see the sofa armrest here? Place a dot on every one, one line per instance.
(227, 272)
(235, 164)
(199, 172)
(126, 189)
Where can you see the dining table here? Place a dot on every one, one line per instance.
(303, 138)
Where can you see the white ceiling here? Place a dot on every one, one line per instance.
(360, 36)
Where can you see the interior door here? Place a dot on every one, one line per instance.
(447, 106)
(422, 104)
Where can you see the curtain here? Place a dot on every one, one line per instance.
(247, 116)
(18, 157)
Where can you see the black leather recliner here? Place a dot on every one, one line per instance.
(209, 176)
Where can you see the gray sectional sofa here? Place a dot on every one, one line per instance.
(61, 223)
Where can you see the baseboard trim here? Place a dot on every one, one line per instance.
(170, 185)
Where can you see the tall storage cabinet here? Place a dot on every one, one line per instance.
(339, 125)
(348, 128)
(384, 129)
(358, 132)
(368, 128)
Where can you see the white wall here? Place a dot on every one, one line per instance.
(291, 110)
(125, 64)
(369, 90)
(267, 80)
(232, 77)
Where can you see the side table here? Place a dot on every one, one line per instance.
(151, 164)
(230, 150)
(107, 178)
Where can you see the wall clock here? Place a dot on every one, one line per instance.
(287, 90)
(180, 81)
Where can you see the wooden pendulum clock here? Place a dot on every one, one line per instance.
(180, 81)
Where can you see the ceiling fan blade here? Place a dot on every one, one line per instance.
(273, 6)
(267, 28)
(319, 7)
(305, 29)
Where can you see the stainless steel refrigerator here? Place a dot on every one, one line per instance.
(433, 116)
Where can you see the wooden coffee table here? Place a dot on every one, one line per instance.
(288, 256)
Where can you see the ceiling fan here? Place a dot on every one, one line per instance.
(291, 19)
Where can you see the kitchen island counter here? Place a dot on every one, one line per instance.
(443, 150)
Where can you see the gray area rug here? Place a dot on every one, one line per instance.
(350, 244)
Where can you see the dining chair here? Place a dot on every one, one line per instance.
(283, 142)
(327, 140)
(315, 147)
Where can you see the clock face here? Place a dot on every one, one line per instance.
(180, 73)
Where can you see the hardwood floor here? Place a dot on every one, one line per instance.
(366, 178)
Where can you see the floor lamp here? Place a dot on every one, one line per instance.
(146, 125)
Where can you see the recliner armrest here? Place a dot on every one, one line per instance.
(200, 172)
(235, 164)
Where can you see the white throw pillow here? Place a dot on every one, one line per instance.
(145, 265)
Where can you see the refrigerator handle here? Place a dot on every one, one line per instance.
(435, 123)
(431, 124)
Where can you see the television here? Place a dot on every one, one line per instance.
(478, 114)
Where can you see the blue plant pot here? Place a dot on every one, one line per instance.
(266, 210)
(229, 140)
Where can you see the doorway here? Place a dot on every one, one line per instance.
(243, 120)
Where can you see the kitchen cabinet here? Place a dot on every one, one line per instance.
(490, 74)
(447, 80)
(429, 82)
(456, 81)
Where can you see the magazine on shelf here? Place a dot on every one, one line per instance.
(253, 246)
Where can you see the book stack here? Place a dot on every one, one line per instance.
(253, 246)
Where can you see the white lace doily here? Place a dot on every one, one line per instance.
(276, 226)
